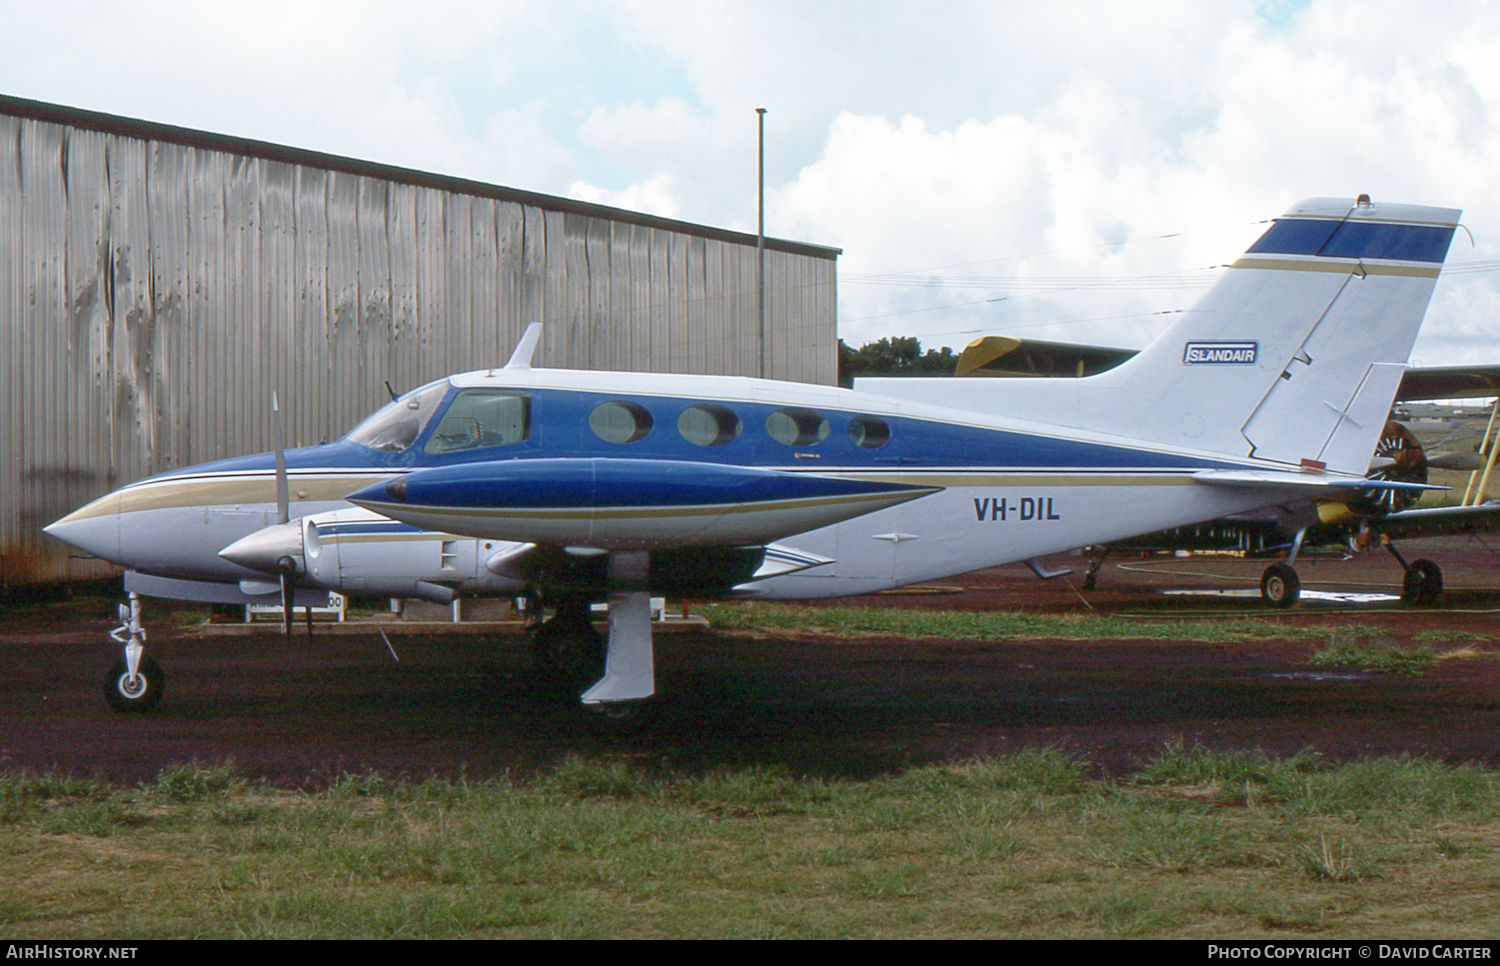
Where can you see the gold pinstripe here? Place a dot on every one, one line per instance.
(242, 490)
(1342, 266)
(222, 491)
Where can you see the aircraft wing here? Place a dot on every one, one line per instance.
(1000, 355)
(1450, 382)
(214, 592)
(1437, 521)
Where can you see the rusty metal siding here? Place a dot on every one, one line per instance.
(154, 291)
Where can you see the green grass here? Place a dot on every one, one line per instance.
(989, 626)
(1341, 647)
(1195, 844)
(1344, 649)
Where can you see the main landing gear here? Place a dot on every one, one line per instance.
(613, 677)
(567, 650)
(135, 682)
(1423, 583)
(1279, 585)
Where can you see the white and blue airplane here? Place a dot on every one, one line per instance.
(573, 487)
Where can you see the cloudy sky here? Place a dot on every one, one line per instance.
(1069, 171)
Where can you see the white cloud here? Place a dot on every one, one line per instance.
(1269, 117)
(654, 197)
(1049, 141)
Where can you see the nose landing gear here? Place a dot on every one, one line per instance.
(135, 682)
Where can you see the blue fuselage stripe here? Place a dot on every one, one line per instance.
(559, 430)
(551, 483)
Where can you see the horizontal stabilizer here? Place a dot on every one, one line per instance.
(1303, 483)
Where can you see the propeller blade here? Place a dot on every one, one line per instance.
(283, 491)
(286, 566)
(1466, 462)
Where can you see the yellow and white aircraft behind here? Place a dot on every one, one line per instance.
(577, 486)
(1370, 520)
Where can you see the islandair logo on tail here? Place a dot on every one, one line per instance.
(1219, 353)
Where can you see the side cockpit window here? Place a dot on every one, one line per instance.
(479, 418)
(396, 425)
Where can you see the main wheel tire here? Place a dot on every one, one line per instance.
(619, 717)
(133, 695)
(569, 653)
(1422, 584)
(1279, 586)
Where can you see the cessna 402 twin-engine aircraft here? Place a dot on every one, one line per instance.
(573, 487)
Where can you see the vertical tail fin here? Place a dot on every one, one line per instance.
(1293, 356)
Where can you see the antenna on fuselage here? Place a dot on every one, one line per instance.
(526, 348)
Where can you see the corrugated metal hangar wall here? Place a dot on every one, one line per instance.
(156, 284)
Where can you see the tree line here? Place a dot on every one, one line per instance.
(899, 356)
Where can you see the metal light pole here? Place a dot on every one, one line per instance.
(760, 238)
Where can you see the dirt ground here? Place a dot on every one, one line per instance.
(467, 703)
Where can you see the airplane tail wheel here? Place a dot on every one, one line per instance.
(141, 693)
(1423, 583)
(1279, 585)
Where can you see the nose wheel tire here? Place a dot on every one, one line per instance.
(1279, 585)
(140, 693)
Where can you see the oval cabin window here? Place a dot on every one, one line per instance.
(620, 422)
(797, 427)
(869, 432)
(707, 424)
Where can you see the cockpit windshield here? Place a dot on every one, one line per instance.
(396, 425)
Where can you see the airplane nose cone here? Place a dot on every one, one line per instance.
(387, 492)
(264, 549)
(94, 528)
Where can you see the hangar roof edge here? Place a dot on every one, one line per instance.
(150, 130)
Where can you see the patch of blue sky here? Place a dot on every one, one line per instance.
(592, 66)
(1280, 13)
